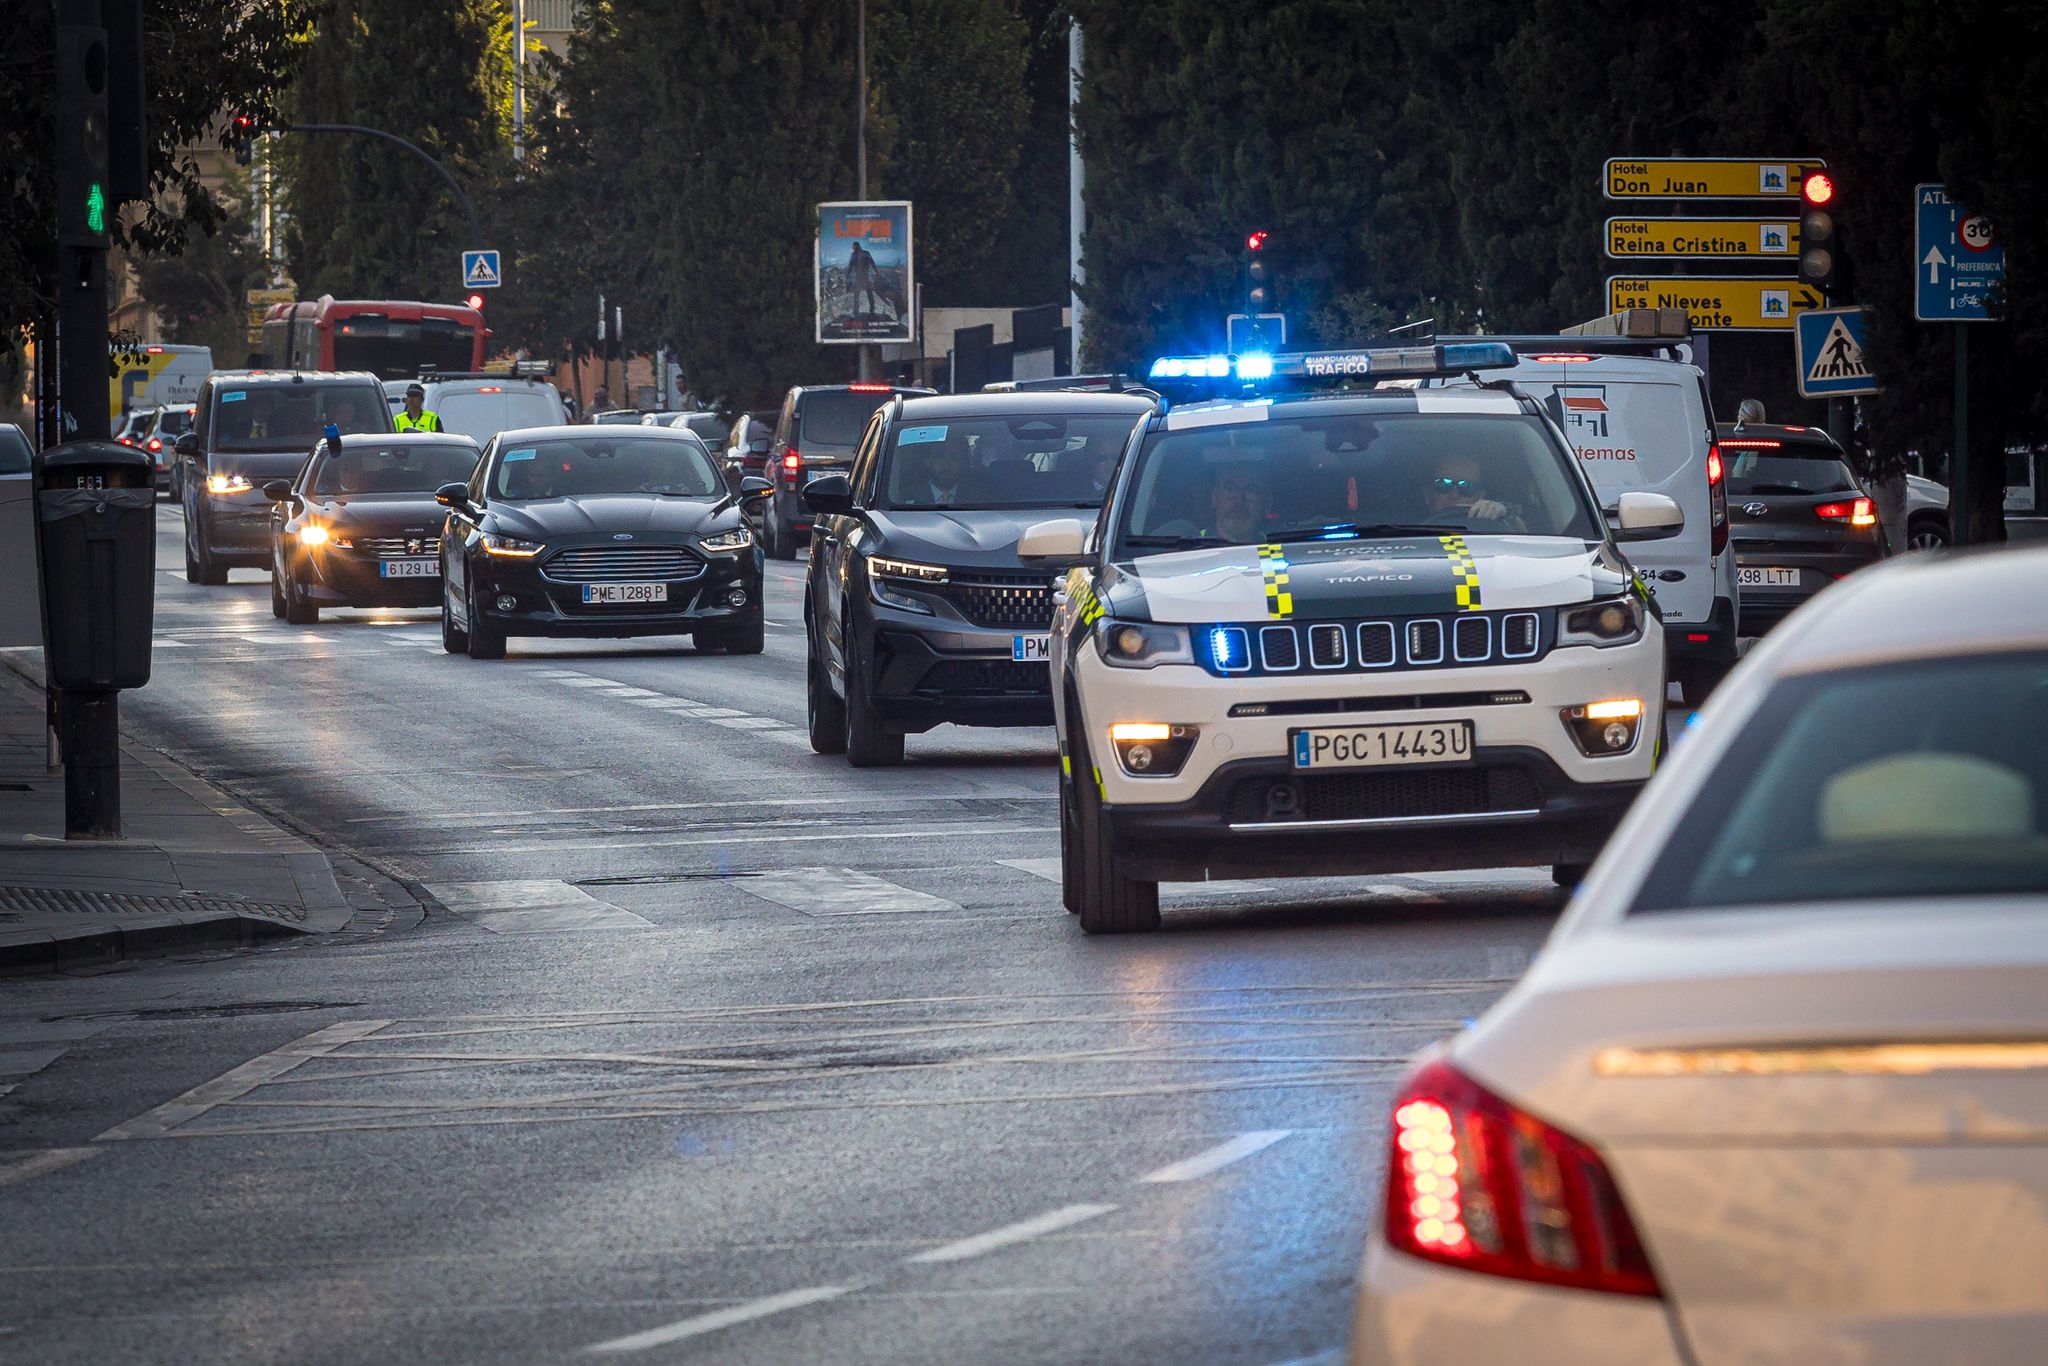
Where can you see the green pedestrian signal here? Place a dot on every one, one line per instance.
(96, 208)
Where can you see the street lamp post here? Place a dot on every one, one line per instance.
(868, 359)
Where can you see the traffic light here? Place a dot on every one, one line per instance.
(476, 301)
(84, 201)
(1258, 274)
(1819, 230)
(241, 137)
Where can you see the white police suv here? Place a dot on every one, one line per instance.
(1331, 625)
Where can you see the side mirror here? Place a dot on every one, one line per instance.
(754, 488)
(1060, 544)
(759, 445)
(278, 490)
(452, 495)
(827, 494)
(186, 444)
(1647, 517)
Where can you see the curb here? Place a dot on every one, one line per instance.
(148, 941)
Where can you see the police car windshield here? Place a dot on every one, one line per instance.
(1039, 460)
(1345, 476)
(593, 466)
(409, 467)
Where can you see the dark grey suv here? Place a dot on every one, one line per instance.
(815, 436)
(1798, 519)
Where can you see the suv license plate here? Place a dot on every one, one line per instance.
(1031, 648)
(409, 569)
(1759, 576)
(625, 592)
(1435, 742)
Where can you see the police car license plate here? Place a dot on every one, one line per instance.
(625, 592)
(1760, 576)
(1435, 742)
(409, 569)
(1031, 648)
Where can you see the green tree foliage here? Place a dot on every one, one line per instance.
(202, 63)
(200, 290)
(368, 219)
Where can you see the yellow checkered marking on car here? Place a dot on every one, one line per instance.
(1081, 590)
(1273, 569)
(1464, 572)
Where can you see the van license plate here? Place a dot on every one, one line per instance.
(1759, 576)
(625, 592)
(1029, 649)
(409, 569)
(1434, 742)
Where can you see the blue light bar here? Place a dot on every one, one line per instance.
(1191, 367)
(1255, 365)
(1390, 362)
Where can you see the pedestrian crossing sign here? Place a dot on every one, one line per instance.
(480, 270)
(1830, 345)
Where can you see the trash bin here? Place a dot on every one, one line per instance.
(96, 535)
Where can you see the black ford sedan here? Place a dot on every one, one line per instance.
(358, 527)
(598, 531)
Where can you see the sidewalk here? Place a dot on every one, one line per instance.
(194, 867)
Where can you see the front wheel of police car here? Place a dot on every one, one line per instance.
(1354, 633)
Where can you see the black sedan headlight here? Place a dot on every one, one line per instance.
(1142, 645)
(1611, 621)
(726, 542)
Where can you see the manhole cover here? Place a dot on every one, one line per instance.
(55, 901)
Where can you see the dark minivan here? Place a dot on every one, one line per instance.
(819, 427)
(1798, 519)
(250, 427)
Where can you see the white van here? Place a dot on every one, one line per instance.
(157, 375)
(1638, 414)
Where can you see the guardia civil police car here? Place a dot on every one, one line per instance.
(1329, 626)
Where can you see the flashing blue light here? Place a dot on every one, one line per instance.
(1231, 648)
(1255, 365)
(1191, 367)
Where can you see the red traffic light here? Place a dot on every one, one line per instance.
(476, 301)
(1817, 188)
(245, 123)
(1256, 241)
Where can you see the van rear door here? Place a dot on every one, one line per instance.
(1641, 432)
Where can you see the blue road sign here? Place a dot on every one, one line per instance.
(480, 270)
(1957, 259)
(1829, 344)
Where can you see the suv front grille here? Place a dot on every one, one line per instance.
(622, 564)
(1458, 640)
(1023, 601)
(1397, 794)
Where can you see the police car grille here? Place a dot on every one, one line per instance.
(623, 564)
(1459, 639)
(399, 545)
(1390, 795)
(986, 676)
(1022, 601)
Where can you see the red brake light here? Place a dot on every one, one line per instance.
(491, 389)
(868, 388)
(791, 463)
(152, 350)
(1750, 443)
(1856, 513)
(1473, 1182)
(1714, 469)
(1568, 360)
(124, 440)
(156, 443)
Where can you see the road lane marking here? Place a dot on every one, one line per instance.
(1009, 1235)
(239, 1081)
(582, 682)
(623, 691)
(747, 722)
(722, 1318)
(530, 905)
(1216, 1158)
(24, 1167)
(840, 891)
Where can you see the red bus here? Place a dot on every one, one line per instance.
(391, 338)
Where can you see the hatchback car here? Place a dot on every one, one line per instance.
(814, 436)
(586, 533)
(1799, 518)
(160, 440)
(359, 526)
(747, 445)
(917, 611)
(1775, 1092)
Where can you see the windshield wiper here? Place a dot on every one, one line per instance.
(1362, 530)
(1778, 488)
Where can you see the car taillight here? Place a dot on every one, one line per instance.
(867, 388)
(1473, 1182)
(1717, 495)
(792, 463)
(156, 443)
(1856, 513)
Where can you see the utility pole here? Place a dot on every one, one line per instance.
(869, 366)
(519, 82)
(1076, 179)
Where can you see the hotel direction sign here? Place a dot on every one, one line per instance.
(1708, 178)
(1720, 239)
(1719, 303)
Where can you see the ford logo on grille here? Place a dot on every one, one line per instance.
(622, 535)
(1756, 509)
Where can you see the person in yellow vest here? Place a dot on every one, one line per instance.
(415, 416)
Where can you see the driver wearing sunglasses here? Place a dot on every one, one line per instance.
(1459, 485)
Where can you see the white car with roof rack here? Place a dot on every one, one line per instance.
(1326, 625)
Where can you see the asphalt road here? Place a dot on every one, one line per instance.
(710, 1050)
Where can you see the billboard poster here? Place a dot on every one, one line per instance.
(864, 281)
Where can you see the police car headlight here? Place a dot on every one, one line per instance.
(1142, 645)
(1612, 621)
